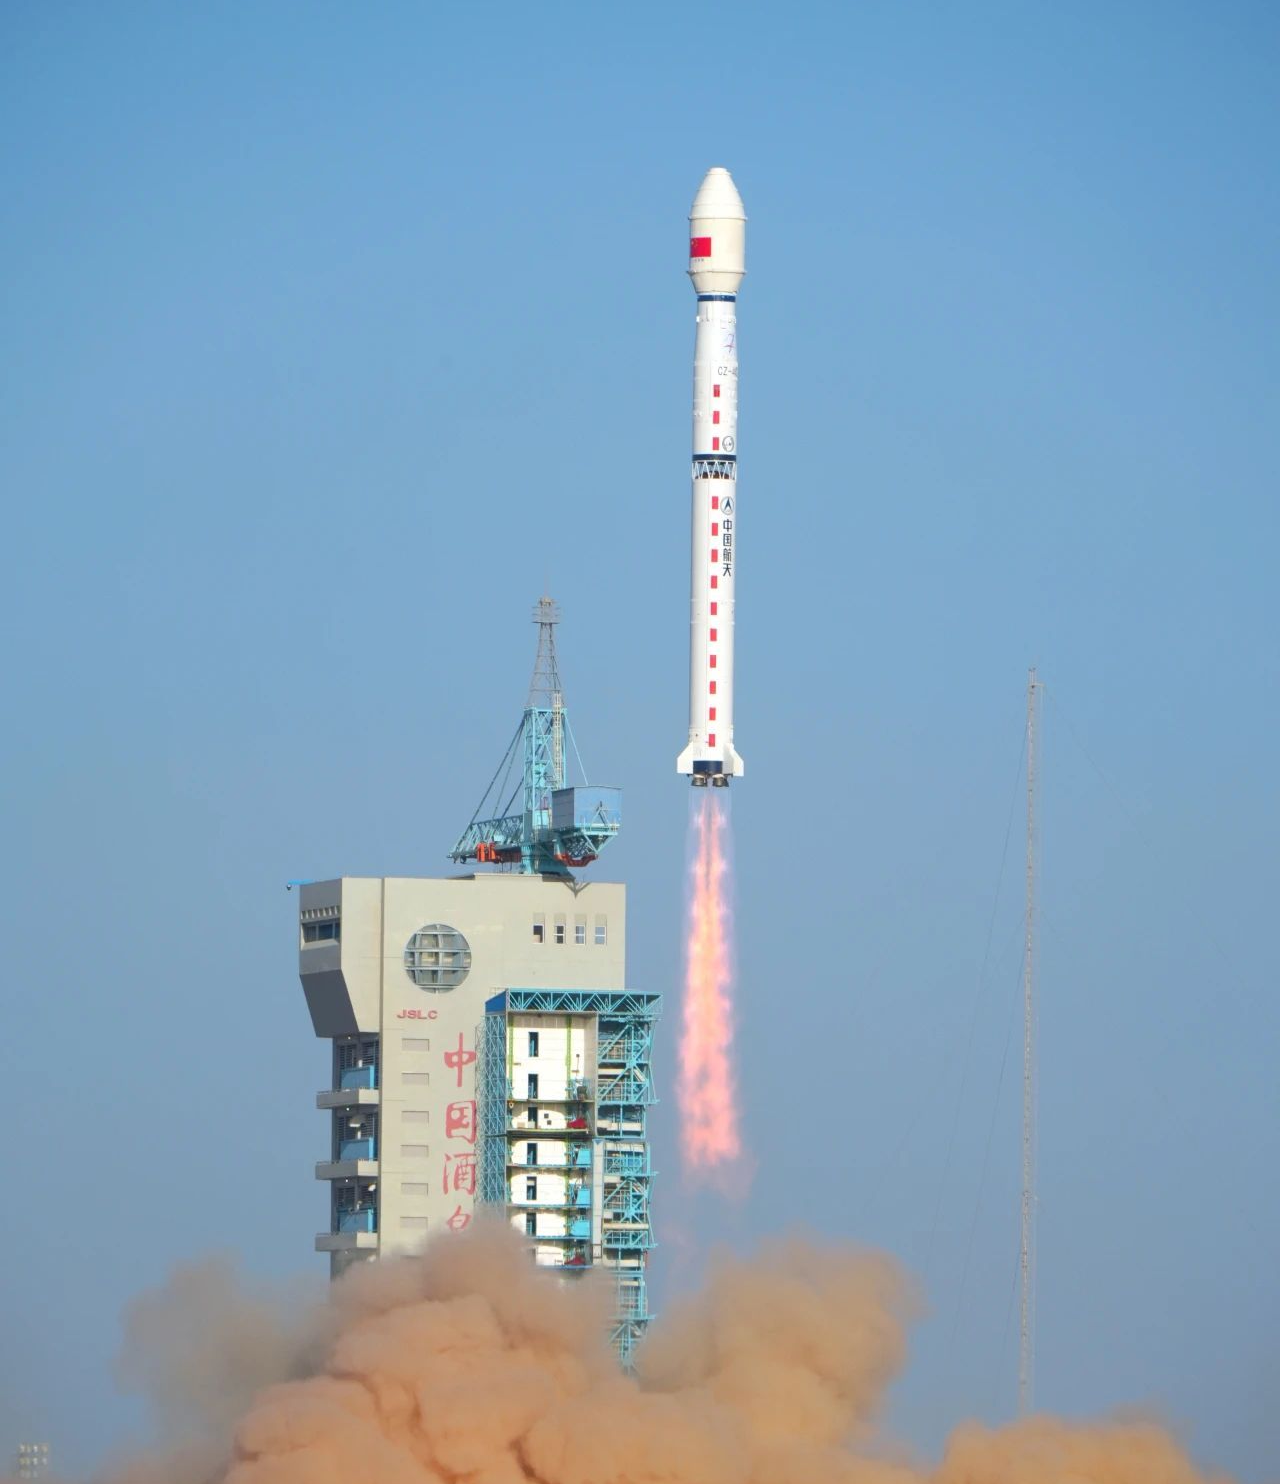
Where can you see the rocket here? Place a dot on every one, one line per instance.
(717, 238)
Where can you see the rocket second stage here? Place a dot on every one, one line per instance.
(717, 238)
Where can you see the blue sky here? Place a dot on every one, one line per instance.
(335, 334)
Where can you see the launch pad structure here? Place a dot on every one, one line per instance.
(542, 827)
(487, 1051)
(587, 1131)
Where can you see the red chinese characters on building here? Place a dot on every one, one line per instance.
(460, 1173)
(460, 1131)
(460, 1121)
(459, 1058)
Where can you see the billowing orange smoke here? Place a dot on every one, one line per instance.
(708, 1096)
(468, 1365)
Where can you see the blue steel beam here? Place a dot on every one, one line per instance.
(611, 1003)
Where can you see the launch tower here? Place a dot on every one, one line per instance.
(486, 1049)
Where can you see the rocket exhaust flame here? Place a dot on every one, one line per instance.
(707, 1091)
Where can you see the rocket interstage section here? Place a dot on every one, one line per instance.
(717, 236)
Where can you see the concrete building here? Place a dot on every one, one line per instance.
(423, 986)
(485, 1045)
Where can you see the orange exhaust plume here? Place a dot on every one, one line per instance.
(708, 1095)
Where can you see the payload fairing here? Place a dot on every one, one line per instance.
(717, 263)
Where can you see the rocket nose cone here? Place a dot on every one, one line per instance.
(717, 197)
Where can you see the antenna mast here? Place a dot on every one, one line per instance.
(1027, 1262)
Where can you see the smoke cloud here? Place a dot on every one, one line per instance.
(468, 1365)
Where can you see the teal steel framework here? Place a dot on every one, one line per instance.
(495, 1089)
(607, 1205)
(555, 827)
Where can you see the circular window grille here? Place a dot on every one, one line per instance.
(437, 957)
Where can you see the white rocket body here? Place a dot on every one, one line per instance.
(717, 263)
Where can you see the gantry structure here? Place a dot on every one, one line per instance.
(565, 1148)
(528, 818)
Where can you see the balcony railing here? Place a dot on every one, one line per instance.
(577, 1230)
(358, 1221)
(520, 1123)
(579, 1159)
(626, 1162)
(626, 1090)
(628, 1239)
(354, 1077)
(576, 1090)
(358, 1149)
(579, 1201)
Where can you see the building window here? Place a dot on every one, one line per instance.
(362, 1053)
(531, 1225)
(560, 932)
(533, 1043)
(531, 1154)
(355, 1135)
(602, 931)
(356, 1063)
(539, 930)
(355, 1207)
(579, 933)
(531, 1190)
(321, 932)
(533, 1115)
(437, 957)
(533, 1085)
